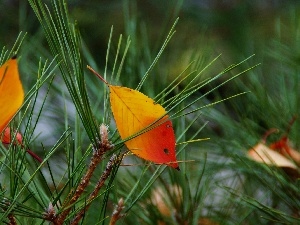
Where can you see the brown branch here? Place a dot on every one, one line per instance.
(116, 215)
(105, 145)
(50, 213)
(109, 166)
(6, 204)
(12, 220)
(96, 158)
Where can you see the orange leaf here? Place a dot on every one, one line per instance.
(133, 112)
(11, 92)
(11, 99)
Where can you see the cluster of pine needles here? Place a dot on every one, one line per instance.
(88, 177)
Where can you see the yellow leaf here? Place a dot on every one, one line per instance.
(11, 92)
(133, 112)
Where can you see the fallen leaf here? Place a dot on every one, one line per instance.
(167, 201)
(263, 154)
(133, 112)
(294, 154)
(283, 145)
(11, 92)
(278, 153)
(284, 148)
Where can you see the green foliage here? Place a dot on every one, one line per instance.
(219, 110)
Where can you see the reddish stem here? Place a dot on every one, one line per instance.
(35, 156)
(97, 74)
(268, 133)
(282, 144)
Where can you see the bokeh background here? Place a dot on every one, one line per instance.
(206, 28)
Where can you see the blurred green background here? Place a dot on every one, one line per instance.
(235, 29)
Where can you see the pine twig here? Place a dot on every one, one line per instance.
(10, 216)
(104, 146)
(116, 215)
(50, 213)
(113, 160)
(12, 220)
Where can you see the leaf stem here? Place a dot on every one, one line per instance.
(97, 74)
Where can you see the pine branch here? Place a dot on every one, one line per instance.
(12, 220)
(113, 161)
(105, 146)
(116, 215)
